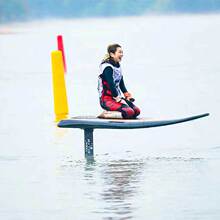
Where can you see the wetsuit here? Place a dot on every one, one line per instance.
(111, 84)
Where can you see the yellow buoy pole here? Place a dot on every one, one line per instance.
(59, 87)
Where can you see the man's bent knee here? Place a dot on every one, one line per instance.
(127, 112)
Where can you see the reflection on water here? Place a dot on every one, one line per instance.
(135, 188)
(121, 179)
(109, 186)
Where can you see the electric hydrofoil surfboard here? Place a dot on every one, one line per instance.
(85, 122)
(89, 123)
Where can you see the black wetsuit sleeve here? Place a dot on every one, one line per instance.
(122, 85)
(108, 75)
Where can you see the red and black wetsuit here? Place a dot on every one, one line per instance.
(111, 84)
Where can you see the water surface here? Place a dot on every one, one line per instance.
(170, 64)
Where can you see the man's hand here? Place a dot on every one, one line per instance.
(128, 96)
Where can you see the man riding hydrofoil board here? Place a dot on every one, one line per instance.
(111, 85)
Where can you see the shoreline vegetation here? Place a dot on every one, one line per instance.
(26, 10)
